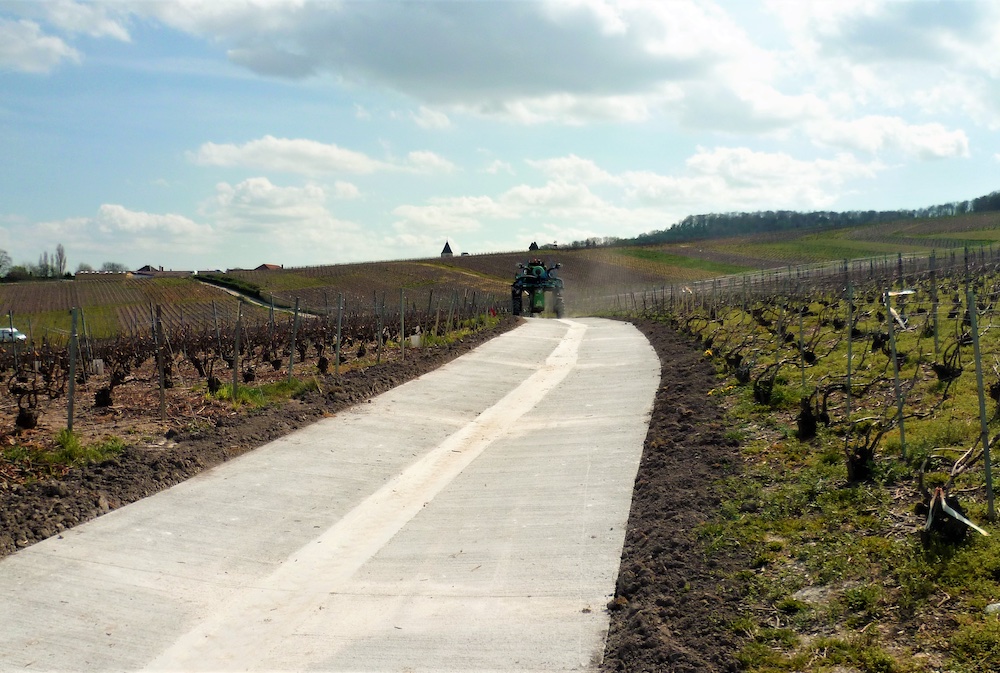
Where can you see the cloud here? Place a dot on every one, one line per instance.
(287, 155)
(929, 58)
(573, 169)
(309, 157)
(428, 162)
(566, 207)
(875, 134)
(92, 19)
(572, 62)
(284, 219)
(149, 237)
(497, 166)
(741, 179)
(448, 215)
(345, 191)
(427, 118)
(24, 48)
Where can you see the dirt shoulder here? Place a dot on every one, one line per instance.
(674, 600)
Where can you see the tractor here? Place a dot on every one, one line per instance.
(536, 280)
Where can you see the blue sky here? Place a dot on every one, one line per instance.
(200, 134)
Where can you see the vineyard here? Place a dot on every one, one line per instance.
(866, 395)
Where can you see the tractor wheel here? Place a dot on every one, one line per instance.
(560, 306)
(515, 302)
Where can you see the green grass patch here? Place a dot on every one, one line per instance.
(667, 259)
(266, 394)
(68, 451)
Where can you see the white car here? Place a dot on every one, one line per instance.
(11, 334)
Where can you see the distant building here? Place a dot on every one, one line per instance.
(447, 250)
(270, 267)
(150, 271)
(532, 247)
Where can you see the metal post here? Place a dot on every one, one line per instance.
(291, 351)
(72, 371)
(402, 326)
(983, 420)
(236, 349)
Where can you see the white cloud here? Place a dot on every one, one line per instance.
(86, 18)
(309, 157)
(447, 215)
(875, 134)
(914, 57)
(288, 155)
(150, 236)
(741, 179)
(428, 162)
(427, 118)
(113, 218)
(497, 166)
(24, 47)
(345, 191)
(573, 169)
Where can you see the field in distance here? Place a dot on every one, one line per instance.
(123, 303)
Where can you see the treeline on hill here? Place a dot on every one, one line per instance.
(720, 225)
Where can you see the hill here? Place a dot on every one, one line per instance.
(122, 303)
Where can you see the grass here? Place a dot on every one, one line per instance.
(669, 260)
(34, 462)
(267, 394)
(840, 576)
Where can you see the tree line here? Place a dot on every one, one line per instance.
(51, 265)
(721, 225)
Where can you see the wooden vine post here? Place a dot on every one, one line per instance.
(340, 318)
(72, 371)
(983, 419)
(10, 321)
(402, 326)
(934, 302)
(850, 334)
(159, 363)
(890, 321)
(802, 353)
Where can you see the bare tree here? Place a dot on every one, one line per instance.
(59, 260)
(6, 263)
(44, 268)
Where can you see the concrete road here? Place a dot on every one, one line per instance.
(470, 520)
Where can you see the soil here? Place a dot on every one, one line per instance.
(672, 600)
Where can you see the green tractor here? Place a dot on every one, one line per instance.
(536, 280)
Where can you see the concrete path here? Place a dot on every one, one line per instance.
(470, 520)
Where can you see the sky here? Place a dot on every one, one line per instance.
(212, 134)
